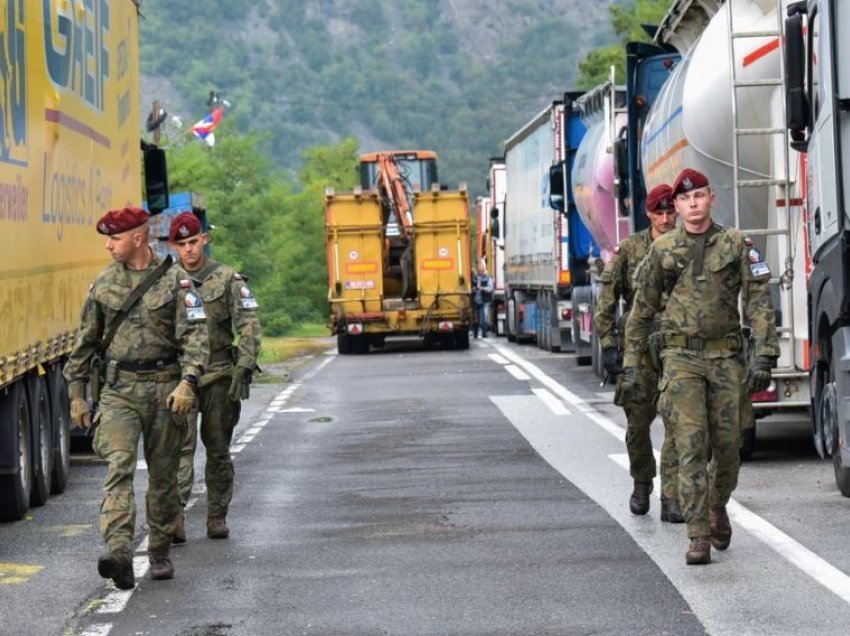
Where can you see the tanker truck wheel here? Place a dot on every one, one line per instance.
(42, 440)
(15, 429)
(462, 339)
(829, 420)
(61, 425)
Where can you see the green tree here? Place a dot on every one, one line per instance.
(627, 22)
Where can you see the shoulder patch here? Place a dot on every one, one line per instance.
(237, 276)
(185, 283)
(748, 241)
(194, 307)
(617, 250)
(248, 300)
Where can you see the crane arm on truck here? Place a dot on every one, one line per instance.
(394, 193)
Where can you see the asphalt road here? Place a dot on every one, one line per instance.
(444, 492)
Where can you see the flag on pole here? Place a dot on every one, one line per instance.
(204, 129)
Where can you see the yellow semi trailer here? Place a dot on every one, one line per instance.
(398, 255)
(69, 150)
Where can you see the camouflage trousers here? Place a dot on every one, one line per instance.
(219, 416)
(703, 396)
(640, 413)
(128, 409)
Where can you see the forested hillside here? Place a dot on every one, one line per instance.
(455, 76)
(313, 82)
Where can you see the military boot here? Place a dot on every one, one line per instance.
(118, 566)
(179, 535)
(161, 566)
(699, 551)
(217, 528)
(670, 510)
(721, 529)
(639, 501)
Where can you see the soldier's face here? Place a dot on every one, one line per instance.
(695, 206)
(191, 251)
(124, 246)
(662, 221)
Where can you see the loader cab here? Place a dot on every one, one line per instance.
(418, 168)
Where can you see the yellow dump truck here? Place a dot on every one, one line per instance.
(69, 150)
(398, 255)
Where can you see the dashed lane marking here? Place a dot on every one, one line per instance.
(518, 373)
(555, 405)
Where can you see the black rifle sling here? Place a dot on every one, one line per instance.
(134, 297)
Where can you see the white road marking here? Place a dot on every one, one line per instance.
(791, 552)
(555, 405)
(296, 409)
(515, 371)
(495, 357)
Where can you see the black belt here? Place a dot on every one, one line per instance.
(144, 365)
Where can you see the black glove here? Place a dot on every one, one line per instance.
(240, 384)
(611, 360)
(759, 375)
(628, 384)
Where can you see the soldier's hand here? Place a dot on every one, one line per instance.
(240, 384)
(611, 360)
(628, 384)
(182, 398)
(759, 375)
(80, 415)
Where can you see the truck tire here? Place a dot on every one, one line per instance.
(462, 339)
(829, 421)
(344, 346)
(61, 424)
(42, 440)
(15, 429)
(360, 343)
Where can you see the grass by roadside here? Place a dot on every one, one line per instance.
(280, 354)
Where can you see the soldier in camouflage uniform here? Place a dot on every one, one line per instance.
(616, 283)
(230, 307)
(704, 268)
(152, 364)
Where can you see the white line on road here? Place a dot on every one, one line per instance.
(555, 405)
(831, 578)
(515, 371)
(495, 357)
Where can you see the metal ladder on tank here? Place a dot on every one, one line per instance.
(784, 222)
(612, 110)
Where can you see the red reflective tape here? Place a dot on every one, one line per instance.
(761, 51)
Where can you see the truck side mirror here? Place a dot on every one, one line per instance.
(556, 187)
(796, 101)
(156, 177)
(495, 230)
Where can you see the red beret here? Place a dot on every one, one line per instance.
(123, 220)
(689, 179)
(659, 198)
(183, 226)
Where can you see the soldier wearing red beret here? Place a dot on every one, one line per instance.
(232, 307)
(617, 282)
(150, 353)
(693, 278)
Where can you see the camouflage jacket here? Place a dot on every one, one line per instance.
(167, 322)
(230, 306)
(615, 283)
(705, 305)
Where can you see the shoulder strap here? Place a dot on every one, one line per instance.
(134, 297)
(695, 250)
(207, 270)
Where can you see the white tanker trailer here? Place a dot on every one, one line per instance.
(702, 109)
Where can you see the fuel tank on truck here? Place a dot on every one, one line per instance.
(690, 125)
(593, 184)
